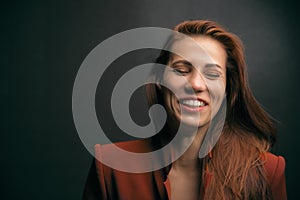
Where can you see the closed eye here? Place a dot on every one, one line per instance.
(181, 71)
(212, 71)
(182, 67)
(212, 75)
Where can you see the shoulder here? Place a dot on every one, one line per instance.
(274, 166)
(106, 182)
(135, 146)
(275, 172)
(122, 156)
(127, 184)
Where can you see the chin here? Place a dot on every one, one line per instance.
(194, 119)
(194, 124)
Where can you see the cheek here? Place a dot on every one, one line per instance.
(173, 82)
(217, 94)
(216, 89)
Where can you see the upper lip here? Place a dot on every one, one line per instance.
(193, 98)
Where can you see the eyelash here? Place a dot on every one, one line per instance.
(212, 75)
(209, 75)
(180, 72)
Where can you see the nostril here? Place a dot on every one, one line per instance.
(197, 85)
(193, 90)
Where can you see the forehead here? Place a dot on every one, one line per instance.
(200, 51)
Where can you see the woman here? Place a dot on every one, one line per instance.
(238, 165)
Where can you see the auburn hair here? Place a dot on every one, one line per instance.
(236, 165)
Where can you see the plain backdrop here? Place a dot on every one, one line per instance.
(43, 44)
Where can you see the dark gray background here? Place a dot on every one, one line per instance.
(44, 43)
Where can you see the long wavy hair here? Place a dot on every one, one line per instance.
(236, 165)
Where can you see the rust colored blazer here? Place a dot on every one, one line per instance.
(106, 183)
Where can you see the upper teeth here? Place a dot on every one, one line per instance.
(193, 103)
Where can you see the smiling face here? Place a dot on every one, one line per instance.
(198, 78)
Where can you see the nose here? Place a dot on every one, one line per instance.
(196, 82)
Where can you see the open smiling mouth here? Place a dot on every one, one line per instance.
(193, 104)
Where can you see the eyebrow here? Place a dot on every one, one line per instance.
(183, 62)
(213, 65)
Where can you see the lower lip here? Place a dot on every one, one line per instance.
(192, 109)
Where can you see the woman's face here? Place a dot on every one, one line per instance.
(198, 79)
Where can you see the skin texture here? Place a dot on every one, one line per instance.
(202, 76)
(197, 75)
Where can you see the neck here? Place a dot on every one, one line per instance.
(192, 143)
